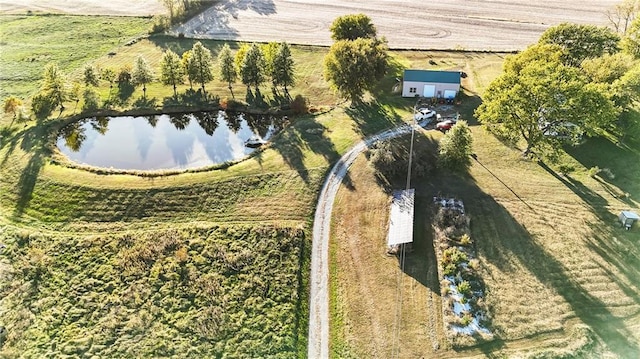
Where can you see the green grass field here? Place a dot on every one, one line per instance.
(30, 42)
(116, 265)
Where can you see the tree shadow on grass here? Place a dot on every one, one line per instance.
(594, 200)
(502, 241)
(305, 134)
(622, 164)
(420, 263)
(143, 103)
(608, 239)
(181, 45)
(34, 141)
(372, 117)
(549, 271)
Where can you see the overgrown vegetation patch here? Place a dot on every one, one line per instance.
(232, 291)
(463, 291)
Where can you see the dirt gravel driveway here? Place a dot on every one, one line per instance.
(498, 25)
(319, 280)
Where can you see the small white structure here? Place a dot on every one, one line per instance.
(628, 218)
(431, 84)
(401, 218)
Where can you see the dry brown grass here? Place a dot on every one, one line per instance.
(561, 276)
(367, 277)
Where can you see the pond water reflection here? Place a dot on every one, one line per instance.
(179, 141)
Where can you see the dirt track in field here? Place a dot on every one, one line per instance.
(407, 24)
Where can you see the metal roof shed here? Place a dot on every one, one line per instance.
(627, 218)
(401, 218)
(430, 83)
(447, 77)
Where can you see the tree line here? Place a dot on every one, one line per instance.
(252, 65)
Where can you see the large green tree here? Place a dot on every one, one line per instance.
(228, 71)
(189, 67)
(581, 42)
(353, 67)
(90, 76)
(201, 61)
(53, 92)
(142, 74)
(240, 54)
(607, 68)
(171, 70)
(609, 71)
(455, 147)
(269, 52)
(351, 27)
(283, 67)
(543, 101)
(252, 68)
(627, 87)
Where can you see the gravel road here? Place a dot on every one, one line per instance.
(319, 296)
(496, 25)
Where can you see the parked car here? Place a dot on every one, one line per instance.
(424, 114)
(445, 125)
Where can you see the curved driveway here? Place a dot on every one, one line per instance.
(319, 296)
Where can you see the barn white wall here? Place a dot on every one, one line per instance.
(441, 87)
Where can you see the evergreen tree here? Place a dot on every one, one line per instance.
(142, 74)
(228, 71)
(283, 68)
(252, 69)
(172, 71)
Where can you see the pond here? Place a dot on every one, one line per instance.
(164, 142)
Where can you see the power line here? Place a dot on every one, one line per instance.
(398, 318)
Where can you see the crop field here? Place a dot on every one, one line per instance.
(83, 7)
(407, 24)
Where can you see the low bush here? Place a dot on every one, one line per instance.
(467, 318)
(231, 104)
(453, 256)
(300, 105)
(464, 288)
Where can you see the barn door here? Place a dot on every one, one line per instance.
(429, 91)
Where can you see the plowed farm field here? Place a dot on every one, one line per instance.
(492, 25)
(407, 24)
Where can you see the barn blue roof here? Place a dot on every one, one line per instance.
(449, 77)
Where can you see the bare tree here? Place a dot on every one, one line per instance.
(621, 16)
